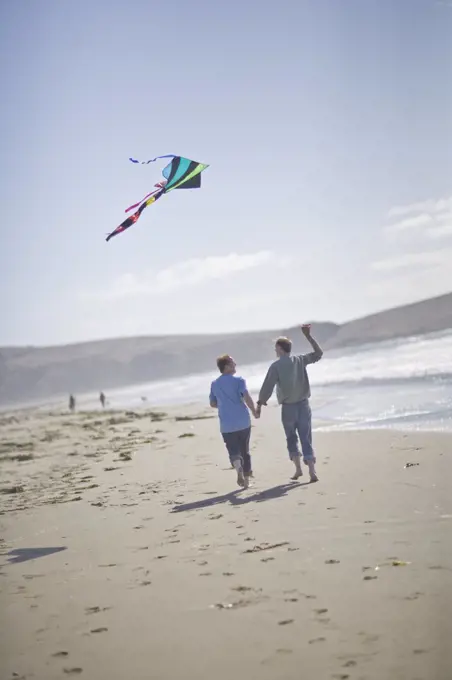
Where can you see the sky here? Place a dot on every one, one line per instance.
(327, 127)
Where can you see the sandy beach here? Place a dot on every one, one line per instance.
(127, 551)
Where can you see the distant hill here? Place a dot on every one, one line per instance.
(29, 373)
(418, 318)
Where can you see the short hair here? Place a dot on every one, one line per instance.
(223, 361)
(285, 344)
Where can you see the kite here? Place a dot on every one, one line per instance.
(180, 173)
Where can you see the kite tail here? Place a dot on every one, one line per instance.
(170, 155)
(136, 215)
(159, 185)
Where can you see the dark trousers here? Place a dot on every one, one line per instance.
(238, 447)
(296, 420)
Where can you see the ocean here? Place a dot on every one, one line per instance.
(404, 384)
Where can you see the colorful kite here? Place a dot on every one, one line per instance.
(181, 173)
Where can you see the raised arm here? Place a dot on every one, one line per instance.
(317, 353)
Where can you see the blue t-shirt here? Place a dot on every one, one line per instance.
(228, 391)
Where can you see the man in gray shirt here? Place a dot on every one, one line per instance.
(288, 373)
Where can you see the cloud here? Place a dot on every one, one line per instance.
(422, 266)
(428, 206)
(421, 220)
(441, 231)
(186, 274)
(424, 220)
(422, 260)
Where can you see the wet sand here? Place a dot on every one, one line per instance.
(128, 551)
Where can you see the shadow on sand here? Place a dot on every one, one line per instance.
(235, 499)
(25, 554)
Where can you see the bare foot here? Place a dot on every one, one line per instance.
(298, 470)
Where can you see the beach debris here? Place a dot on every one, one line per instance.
(184, 419)
(399, 563)
(285, 622)
(12, 489)
(186, 434)
(99, 630)
(370, 578)
(332, 561)
(408, 465)
(265, 546)
(230, 605)
(59, 655)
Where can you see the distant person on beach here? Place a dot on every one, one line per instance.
(102, 399)
(230, 396)
(71, 403)
(288, 373)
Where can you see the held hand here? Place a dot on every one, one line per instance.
(257, 412)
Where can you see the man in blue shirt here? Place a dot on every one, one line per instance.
(230, 396)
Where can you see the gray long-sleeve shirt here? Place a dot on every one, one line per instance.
(290, 377)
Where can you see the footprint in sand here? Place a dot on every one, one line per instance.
(285, 622)
(413, 596)
(60, 655)
(72, 671)
(332, 561)
(350, 664)
(96, 610)
(228, 573)
(320, 611)
(99, 630)
(316, 640)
